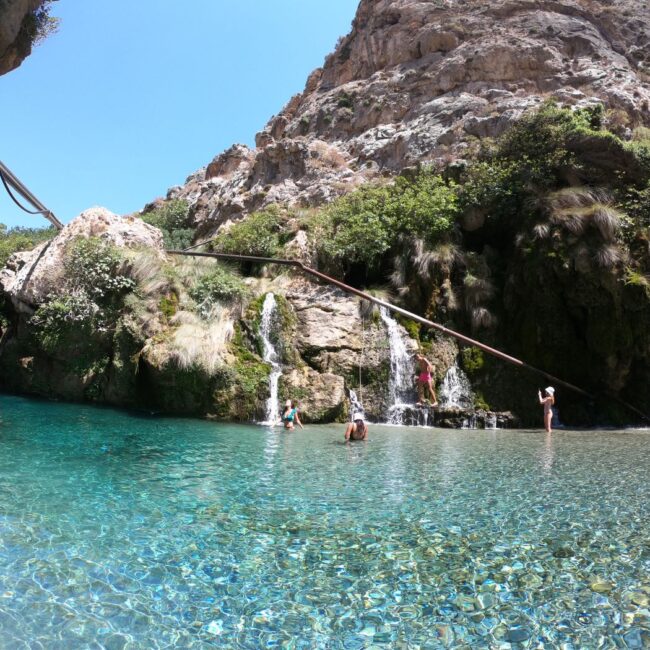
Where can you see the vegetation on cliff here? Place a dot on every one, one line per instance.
(537, 243)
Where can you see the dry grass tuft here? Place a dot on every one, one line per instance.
(199, 343)
(577, 209)
(148, 270)
(609, 256)
(427, 261)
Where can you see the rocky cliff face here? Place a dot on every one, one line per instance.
(421, 81)
(157, 348)
(414, 82)
(16, 31)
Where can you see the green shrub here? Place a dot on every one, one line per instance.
(87, 302)
(362, 227)
(539, 142)
(259, 234)
(636, 204)
(62, 314)
(168, 305)
(93, 266)
(492, 186)
(172, 218)
(345, 100)
(472, 360)
(218, 286)
(21, 239)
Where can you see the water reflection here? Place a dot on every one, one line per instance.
(548, 454)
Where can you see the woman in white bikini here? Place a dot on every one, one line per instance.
(548, 400)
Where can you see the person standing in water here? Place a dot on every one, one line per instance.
(357, 429)
(290, 415)
(424, 379)
(548, 400)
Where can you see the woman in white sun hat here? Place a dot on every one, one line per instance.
(357, 429)
(548, 400)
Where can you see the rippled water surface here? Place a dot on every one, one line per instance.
(120, 531)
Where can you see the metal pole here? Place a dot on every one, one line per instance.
(427, 323)
(16, 184)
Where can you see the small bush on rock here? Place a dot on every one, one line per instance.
(93, 266)
(63, 313)
(260, 234)
(90, 296)
(172, 219)
(363, 227)
(218, 286)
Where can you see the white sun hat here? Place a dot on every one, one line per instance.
(550, 390)
(357, 416)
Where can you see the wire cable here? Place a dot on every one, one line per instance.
(16, 201)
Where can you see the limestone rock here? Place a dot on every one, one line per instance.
(324, 394)
(29, 277)
(328, 320)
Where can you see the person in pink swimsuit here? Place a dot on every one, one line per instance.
(548, 400)
(425, 379)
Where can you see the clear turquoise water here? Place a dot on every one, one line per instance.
(120, 531)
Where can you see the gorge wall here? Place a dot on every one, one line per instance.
(520, 222)
(421, 81)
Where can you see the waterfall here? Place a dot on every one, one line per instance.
(456, 391)
(355, 404)
(270, 356)
(400, 384)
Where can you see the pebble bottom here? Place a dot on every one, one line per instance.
(123, 531)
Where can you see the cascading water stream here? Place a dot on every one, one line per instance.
(456, 390)
(270, 356)
(355, 404)
(400, 384)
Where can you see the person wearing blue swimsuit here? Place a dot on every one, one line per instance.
(290, 415)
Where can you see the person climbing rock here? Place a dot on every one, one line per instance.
(424, 379)
(290, 415)
(548, 401)
(357, 429)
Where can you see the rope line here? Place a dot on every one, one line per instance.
(16, 201)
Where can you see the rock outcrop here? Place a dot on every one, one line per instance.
(182, 361)
(16, 32)
(421, 81)
(29, 277)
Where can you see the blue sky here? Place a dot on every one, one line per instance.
(131, 96)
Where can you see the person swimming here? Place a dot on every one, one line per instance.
(357, 429)
(290, 415)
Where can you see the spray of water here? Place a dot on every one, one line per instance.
(355, 404)
(456, 391)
